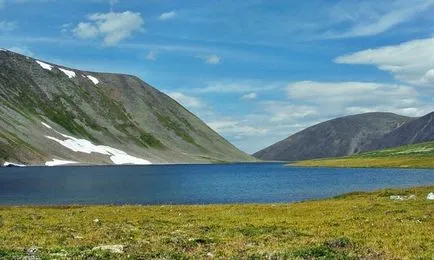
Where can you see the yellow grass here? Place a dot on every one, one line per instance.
(410, 156)
(358, 225)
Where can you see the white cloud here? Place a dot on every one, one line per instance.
(249, 96)
(112, 27)
(283, 111)
(65, 28)
(152, 55)
(428, 78)
(367, 19)
(187, 101)
(167, 16)
(86, 31)
(411, 61)
(6, 26)
(211, 59)
(235, 128)
(237, 87)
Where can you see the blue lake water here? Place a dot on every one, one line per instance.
(194, 184)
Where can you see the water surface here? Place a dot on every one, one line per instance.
(194, 184)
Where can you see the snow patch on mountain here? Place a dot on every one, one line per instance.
(8, 164)
(82, 145)
(124, 158)
(69, 73)
(46, 125)
(44, 65)
(93, 79)
(56, 162)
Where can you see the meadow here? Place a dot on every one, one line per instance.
(351, 226)
(408, 156)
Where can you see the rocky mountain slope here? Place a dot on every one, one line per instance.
(416, 131)
(337, 137)
(50, 114)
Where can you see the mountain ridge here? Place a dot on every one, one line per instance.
(336, 137)
(106, 109)
(415, 131)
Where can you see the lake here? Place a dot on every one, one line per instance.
(193, 184)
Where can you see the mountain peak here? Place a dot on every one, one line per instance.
(116, 115)
(336, 137)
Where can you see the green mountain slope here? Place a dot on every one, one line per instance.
(407, 156)
(51, 112)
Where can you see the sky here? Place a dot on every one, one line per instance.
(254, 71)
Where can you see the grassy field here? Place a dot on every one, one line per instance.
(352, 226)
(409, 156)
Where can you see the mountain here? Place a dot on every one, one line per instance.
(51, 114)
(416, 131)
(338, 137)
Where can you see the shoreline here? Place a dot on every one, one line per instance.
(66, 206)
(354, 225)
(15, 165)
(359, 167)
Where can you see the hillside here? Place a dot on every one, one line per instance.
(337, 137)
(408, 156)
(50, 113)
(416, 131)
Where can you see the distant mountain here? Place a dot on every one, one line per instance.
(51, 114)
(416, 131)
(338, 137)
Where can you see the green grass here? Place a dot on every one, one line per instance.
(175, 127)
(351, 226)
(408, 156)
(148, 139)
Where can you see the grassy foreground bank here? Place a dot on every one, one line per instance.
(357, 225)
(409, 156)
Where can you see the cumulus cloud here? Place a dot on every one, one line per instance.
(428, 78)
(411, 61)
(187, 101)
(249, 96)
(167, 16)
(6, 26)
(86, 31)
(112, 27)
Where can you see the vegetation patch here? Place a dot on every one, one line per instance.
(175, 127)
(150, 141)
(353, 226)
(212, 159)
(408, 156)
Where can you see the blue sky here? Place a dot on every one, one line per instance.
(255, 71)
